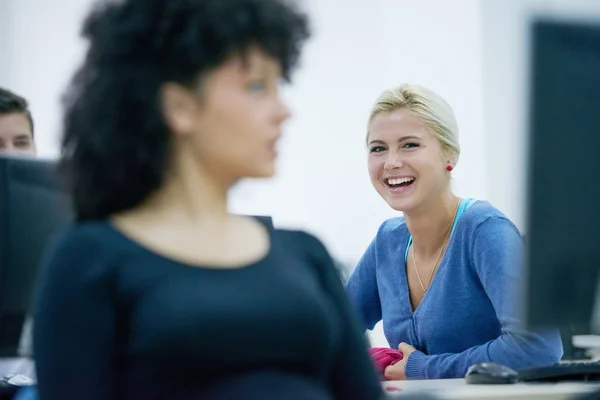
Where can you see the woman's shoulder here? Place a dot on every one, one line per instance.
(483, 212)
(307, 246)
(79, 251)
(391, 237)
(299, 240)
(92, 233)
(482, 218)
(80, 240)
(392, 228)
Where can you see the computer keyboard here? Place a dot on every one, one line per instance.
(571, 371)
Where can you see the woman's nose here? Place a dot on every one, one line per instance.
(393, 161)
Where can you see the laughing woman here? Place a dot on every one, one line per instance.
(444, 277)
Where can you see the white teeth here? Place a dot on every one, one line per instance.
(398, 181)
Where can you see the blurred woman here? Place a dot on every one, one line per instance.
(156, 291)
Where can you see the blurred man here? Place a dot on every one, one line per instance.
(16, 137)
(16, 125)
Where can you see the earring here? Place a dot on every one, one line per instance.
(449, 168)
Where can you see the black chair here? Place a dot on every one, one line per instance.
(268, 221)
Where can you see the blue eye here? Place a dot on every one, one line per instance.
(376, 149)
(410, 145)
(257, 87)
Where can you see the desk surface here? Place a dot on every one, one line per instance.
(458, 389)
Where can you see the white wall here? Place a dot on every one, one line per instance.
(357, 51)
(41, 50)
(5, 41)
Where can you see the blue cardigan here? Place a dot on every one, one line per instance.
(469, 313)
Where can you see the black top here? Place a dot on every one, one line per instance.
(115, 320)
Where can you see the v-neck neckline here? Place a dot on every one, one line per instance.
(431, 284)
(463, 205)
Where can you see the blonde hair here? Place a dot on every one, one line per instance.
(426, 105)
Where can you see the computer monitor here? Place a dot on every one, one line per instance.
(563, 205)
(32, 208)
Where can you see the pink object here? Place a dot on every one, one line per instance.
(383, 357)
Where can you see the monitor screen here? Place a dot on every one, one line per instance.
(563, 183)
(32, 208)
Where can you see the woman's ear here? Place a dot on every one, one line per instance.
(179, 108)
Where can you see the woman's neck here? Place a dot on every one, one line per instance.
(429, 224)
(189, 193)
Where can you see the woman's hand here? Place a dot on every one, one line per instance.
(397, 372)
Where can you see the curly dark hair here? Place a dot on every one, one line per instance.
(115, 143)
(11, 102)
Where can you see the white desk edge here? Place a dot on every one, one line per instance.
(459, 389)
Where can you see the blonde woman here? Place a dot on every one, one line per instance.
(442, 277)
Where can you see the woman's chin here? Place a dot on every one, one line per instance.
(263, 171)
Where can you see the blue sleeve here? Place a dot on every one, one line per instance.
(73, 333)
(362, 288)
(497, 255)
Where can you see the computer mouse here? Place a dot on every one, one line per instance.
(490, 374)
